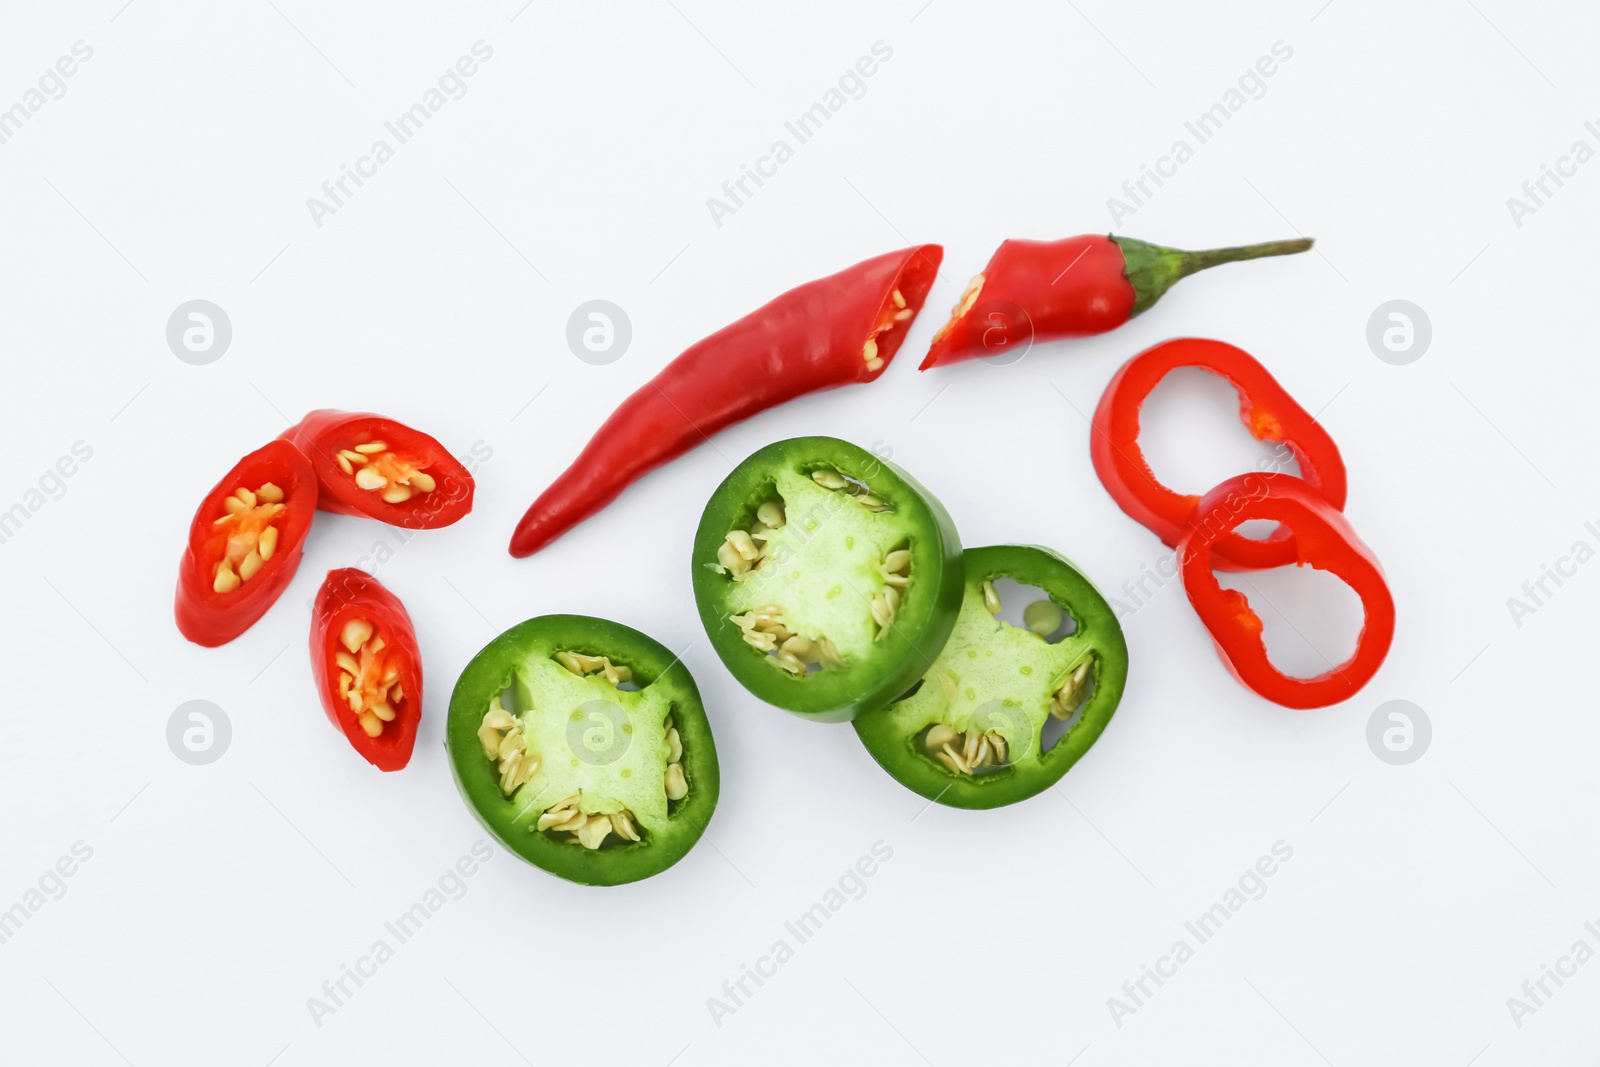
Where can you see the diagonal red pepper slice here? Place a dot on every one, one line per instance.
(1322, 539)
(244, 549)
(411, 480)
(837, 330)
(1268, 412)
(367, 668)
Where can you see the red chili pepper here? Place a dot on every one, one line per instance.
(834, 331)
(367, 668)
(1322, 539)
(244, 544)
(374, 466)
(1268, 412)
(1042, 290)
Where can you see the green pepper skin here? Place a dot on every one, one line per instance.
(656, 669)
(926, 615)
(890, 734)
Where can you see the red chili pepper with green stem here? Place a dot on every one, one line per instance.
(1042, 290)
(837, 330)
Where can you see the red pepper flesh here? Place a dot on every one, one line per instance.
(1268, 412)
(368, 670)
(412, 481)
(1043, 290)
(255, 538)
(837, 330)
(1323, 539)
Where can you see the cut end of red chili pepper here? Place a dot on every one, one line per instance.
(376, 467)
(1153, 269)
(367, 667)
(244, 544)
(1035, 291)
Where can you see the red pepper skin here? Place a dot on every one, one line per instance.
(1268, 412)
(1039, 290)
(209, 618)
(354, 594)
(321, 434)
(808, 339)
(1044, 290)
(1323, 539)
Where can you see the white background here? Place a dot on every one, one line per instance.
(219, 899)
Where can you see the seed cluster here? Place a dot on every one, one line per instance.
(589, 829)
(504, 744)
(369, 681)
(887, 320)
(1072, 692)
(252, 539)
(969, 296)
(579, 664)
(896, 572)
(377, 469)
(964, 752)
(764, 628)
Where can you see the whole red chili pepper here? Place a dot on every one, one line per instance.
(1322, 539)
(374, 466)
(244, 544)
(834, 331)
(1268, 412)
(1042, 290)
(367, 668)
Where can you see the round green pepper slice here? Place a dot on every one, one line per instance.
(826, 577)
(582, 745)
(970, 735)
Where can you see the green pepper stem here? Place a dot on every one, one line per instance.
(1153, 269)
(1211, 257)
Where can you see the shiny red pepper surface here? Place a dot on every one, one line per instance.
(1043, 290)
(1322, 539)
(837, 330)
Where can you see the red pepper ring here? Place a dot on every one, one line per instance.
(1268, 412)
(367, 667)
(411, 481)
(1322, 539)
(251, 525)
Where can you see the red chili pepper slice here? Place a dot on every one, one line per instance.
(376, 467)
(1322, 539)
(367, 668)
(834, 331)
(1268, 412)
(1043, 290)
(244, 544)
